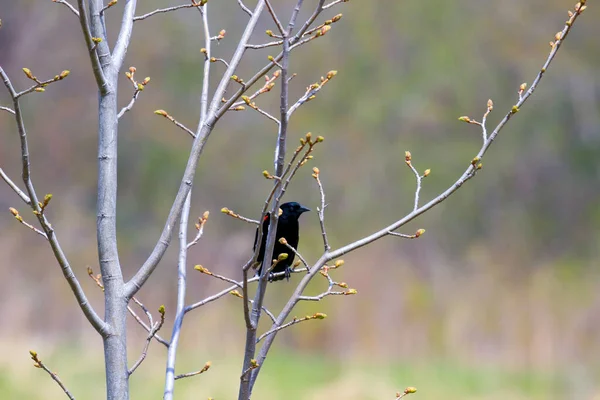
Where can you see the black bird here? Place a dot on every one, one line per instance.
(288, 228)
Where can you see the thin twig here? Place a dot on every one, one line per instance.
(155, 328)
(9, 110)
(468, 174)
(98, 323)
(244, 8)
(200, 228)
(168, 9)
(265, 45)
(237, 285)
(232, 214)
(321, 209)
(84, 22)
(204, 130)
(69, 6)
(97, 279)
(418, 177)
(15, 188)
(286, 244)
(178, 124)
(214, 59)
(20, 219)
(275, 18)
(292, 322)
(187, 375)
(333, 3)
(129, 106)
(39, 364)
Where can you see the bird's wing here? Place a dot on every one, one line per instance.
(265, 228)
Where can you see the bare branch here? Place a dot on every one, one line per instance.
(101, 81)
(107, 6)
(269, 84)
(321, 209)
(156, 327)
(19, 218)
(311, 92)
(124, 37)
(204, 130)
(265, 45)
(468, 174)
(129, 106)
(97, 279)
(14, 187)
(405, 236)
(187, 375)
(418, 177)
(292, 322)
(244, 8)
(200, 228)
(9, 110)
(253, 106)
(293, 250)
(166, 10)
(229, 290)
(163, 113)
(94, 319)
(68, 5)
(275, 18)
(214, 59)
(39, 364)
(232, 214)
(333, 3)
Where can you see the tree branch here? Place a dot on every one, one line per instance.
(166, 10)
(39, 364)
(94, 319)
(151, 334)
(68, 5)
(468, 174)
(101, 81)
(204, 130)
(124, 37)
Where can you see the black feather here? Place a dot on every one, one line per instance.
(288, 228)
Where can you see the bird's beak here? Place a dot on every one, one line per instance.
(304, 209)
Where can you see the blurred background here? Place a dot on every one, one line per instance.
(499, 299)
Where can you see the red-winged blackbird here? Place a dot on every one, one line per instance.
(288, 228)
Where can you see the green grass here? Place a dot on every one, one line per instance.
(286, 375)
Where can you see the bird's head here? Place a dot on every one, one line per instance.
(292, 209)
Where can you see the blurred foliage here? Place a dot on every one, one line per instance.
(506, 274)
